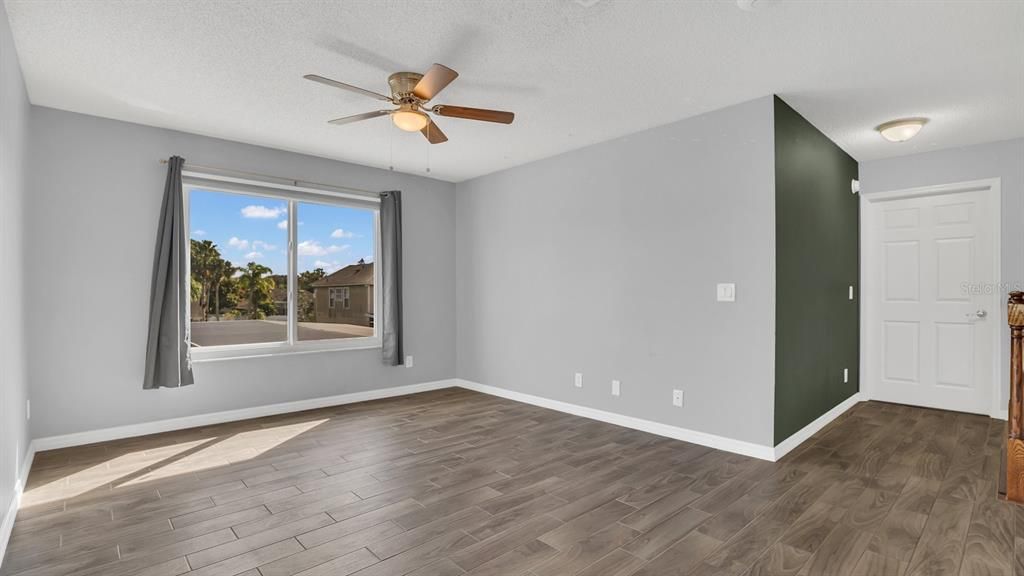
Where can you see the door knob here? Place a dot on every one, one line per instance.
(977, 314)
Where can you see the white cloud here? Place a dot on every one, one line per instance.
(254, 255)
(238, 243)
(261, 245)
(199, 233)
(283, 224)
(314, 248)
(311, 248)
(328, 267)
(258, 211)
(339, 233)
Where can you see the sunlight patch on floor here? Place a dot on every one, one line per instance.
(146, 465)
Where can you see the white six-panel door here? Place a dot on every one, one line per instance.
(932, 297)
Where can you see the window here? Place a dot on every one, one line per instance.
(340, 295)
(279, 269)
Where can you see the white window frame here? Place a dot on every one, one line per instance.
(343, 294)
(293, 195)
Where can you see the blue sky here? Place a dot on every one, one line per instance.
(254, 229)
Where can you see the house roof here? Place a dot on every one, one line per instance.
(360, 274)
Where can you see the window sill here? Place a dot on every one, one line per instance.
(249, 351)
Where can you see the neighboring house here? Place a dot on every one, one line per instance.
(280, 296)
(346, 296)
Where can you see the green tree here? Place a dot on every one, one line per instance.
(257, 288)
(204, 255)
(307, 278)
(307, 303)
(195, 288)
(221, 272)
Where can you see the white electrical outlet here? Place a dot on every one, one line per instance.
(577, 380)
(408, 362)
(28, 409)
(846, 375)
(677, 398)
(615, 387)
(726, 292)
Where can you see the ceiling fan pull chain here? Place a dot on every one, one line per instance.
(391, 145)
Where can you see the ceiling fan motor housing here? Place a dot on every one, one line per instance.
(402, 85)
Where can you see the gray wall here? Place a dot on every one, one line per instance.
(14, 116)
(90, 228)
(1004, 160)
(604, 261)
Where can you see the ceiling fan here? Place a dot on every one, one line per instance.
(411, 92)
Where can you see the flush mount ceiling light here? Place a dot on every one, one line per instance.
(901, 130)
(750, 5)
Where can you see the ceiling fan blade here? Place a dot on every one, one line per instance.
(358, 117)
(474, 113)
(434, 81)
(348, 87)
(433, 133)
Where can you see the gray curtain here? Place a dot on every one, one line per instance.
(391, 277)
(168, 364)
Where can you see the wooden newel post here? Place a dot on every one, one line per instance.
(1015, 426)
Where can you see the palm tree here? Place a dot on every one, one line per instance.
(203, 256)
(257, 287)
(221, 272)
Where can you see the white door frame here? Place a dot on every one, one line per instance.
(869, 214)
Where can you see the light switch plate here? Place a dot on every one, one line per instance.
(727, 292)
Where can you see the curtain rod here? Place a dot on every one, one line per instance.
(294, 181)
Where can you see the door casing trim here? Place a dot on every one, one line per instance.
(869, 278)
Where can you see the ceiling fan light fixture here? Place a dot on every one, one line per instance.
(901, 130)
(410, 92)
(410, 120)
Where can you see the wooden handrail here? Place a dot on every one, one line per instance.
(1015, 425)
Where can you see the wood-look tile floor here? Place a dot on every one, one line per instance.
(455, 482)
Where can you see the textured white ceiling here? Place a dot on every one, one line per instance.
(575, 72)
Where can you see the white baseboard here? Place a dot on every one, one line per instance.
(666, 430)
(693, 436)
(1003, 414)
(801, 436)
(7, 525)
(119, 432)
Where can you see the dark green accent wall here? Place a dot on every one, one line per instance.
(817, 259)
